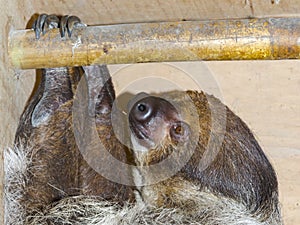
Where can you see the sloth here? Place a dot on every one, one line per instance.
(194, 161)
(224, 167)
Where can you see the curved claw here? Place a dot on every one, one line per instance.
(39, 24)
(47, 22)
(73, 22)
(50, 22)
(63, 25)
(44, 23)
(68, 23)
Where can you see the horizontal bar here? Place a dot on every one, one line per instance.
(245, 39)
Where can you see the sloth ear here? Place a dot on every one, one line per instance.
(180, 132)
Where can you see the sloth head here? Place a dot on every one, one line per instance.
(153, 120)
(159, 127)
(219, 151)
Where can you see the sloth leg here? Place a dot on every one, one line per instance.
(57, 82)
(99, 145)
(45, 136)
(55, 85)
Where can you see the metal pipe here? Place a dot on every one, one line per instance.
(240, 39)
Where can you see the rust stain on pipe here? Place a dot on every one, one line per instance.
(246, 39)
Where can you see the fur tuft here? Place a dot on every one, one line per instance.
(84, 210)
(15, 170)
(88, 210)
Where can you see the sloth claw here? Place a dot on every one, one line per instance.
(50, 22)
(38, 25)
(65, 24)
(68, 23)
(73, 22)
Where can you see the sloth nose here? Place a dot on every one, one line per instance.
(135, 99)
(143, 110)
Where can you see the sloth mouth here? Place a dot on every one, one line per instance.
(141, 135)
(139, 131)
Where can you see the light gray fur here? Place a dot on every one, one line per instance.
(15, 170)
(209, 210)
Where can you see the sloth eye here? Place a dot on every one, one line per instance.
(180, 132)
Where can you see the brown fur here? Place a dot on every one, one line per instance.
(236, 168)
(57, 168)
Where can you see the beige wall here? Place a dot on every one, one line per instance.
(265, 94)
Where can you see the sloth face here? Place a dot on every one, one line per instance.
(154, 120)
(209, 147)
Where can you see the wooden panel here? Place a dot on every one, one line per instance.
(119, 11)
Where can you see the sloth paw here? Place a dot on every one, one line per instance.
(66, 24)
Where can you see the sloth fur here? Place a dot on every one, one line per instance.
(210, 210)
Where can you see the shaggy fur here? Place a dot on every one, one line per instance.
(209, 210)
(15, 169)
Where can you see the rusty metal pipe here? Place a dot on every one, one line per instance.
(243, 39)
